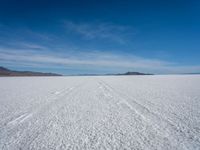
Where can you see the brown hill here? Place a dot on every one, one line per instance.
(7, 72)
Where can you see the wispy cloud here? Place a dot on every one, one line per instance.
(37, 50)
(23, 37)
(89, 60)
(107, 31)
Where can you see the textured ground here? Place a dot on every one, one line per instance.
(113, 112)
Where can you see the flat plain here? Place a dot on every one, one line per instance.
(100, 112)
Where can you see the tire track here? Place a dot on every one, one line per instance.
(188, 138)
(125, 126)
(37, 124)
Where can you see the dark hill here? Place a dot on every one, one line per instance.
(134, 73)
(8, 72)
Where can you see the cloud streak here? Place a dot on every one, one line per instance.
(106, 31)
(92, 60)
(36, 50)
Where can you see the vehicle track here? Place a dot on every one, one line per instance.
(164, 126)
(93, 114)
(36, 125)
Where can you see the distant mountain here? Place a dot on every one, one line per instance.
(8, 72)
(114, 74)
(134, 73)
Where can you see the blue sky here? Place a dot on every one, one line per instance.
(74, 37)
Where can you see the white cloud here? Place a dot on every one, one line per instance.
(87, 58)
(108, 31)
(90, 60)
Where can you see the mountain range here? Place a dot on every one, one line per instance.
(7, 72)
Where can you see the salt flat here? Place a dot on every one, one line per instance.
(100, 112)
